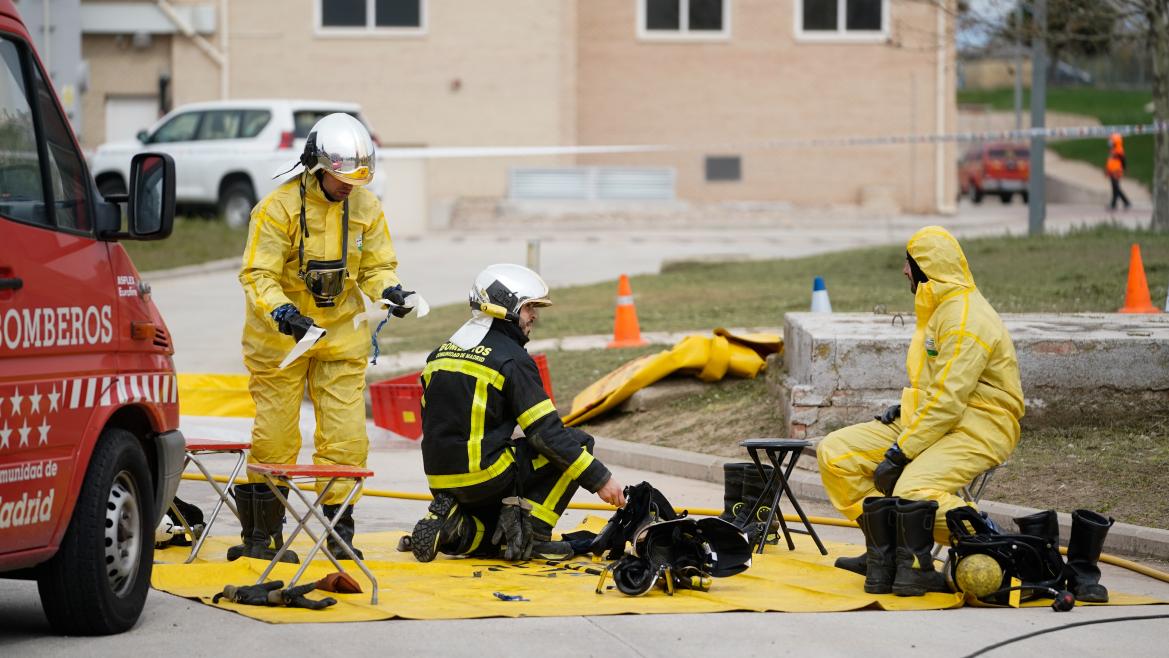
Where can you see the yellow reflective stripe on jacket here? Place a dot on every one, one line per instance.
(457, 480)
(546, 510)
(579, 465)
(484, 377)
(537, 412)
(478, 418)
(478, 371)
(546, 514)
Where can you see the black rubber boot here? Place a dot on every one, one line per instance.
(878, 565)
(268, 531)
(345, 528)
(247, 520)
(1083, 575)
(442, 525)
(733, 476)
(753, 488)
(915, 542)
(1044, 525)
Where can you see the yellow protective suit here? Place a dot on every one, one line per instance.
(334, 368)
(960, 413)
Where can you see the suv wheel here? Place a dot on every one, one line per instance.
(111, 185)
(235, 203)
(975, 194)
(97, 582)
(1005, 197)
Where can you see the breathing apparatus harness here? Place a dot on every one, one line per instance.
(1031, 565)
(325, 279)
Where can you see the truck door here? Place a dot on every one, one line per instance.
(57, 306)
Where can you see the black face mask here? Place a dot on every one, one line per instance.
(325, 279)
(915, 270)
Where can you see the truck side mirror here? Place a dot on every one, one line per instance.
(151, 203)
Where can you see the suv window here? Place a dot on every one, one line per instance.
(180, 128)
(254, 121)
(219, 124)
(304, 120)
(22, 196)
(69, 178)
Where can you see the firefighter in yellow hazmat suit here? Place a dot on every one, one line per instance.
(314, 243)
(897, 475)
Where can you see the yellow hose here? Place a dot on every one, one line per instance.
(702, 511)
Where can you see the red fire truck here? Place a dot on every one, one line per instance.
(90, 453)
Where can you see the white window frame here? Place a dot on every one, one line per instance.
(683, 33)
(840, 34)
(370, 29)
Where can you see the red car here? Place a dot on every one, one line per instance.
(996, 168)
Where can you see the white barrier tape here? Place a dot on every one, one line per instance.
(1073, 132)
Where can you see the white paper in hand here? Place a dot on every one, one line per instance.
(311, 337)
(414, 301)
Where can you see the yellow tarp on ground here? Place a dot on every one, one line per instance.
(709, 358)
(779, 581)
(215, 395)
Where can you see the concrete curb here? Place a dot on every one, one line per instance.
(187, 270)
(1123, 538)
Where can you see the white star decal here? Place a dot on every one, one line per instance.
(4, 435)
(15, 401)
(24, 430)
(43, 430)
(34, 401)
(53, 397)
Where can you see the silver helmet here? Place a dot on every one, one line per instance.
(499, 291)
(340, 145)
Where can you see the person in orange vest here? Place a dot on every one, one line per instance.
(1114, 169)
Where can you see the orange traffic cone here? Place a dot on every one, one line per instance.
(626, 332)
(1136, 297)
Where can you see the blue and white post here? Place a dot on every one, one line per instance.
(820, 302)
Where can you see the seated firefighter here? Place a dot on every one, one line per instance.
(898, 475)
(494, 495)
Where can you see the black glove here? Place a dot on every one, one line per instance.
(291, 322)
(885, 477)
(294, 597)
(891, 414)
(514, 530)
(396, 296)
(250, 594)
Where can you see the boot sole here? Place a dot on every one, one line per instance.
(425, 536)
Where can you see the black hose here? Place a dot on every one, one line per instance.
(1053, 629)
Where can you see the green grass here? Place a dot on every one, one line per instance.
(193, 241)
(1084, 271)
(1111, 107)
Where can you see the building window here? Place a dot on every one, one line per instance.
(683, 19)
(724, 168)
(842, 20)
(358, 17)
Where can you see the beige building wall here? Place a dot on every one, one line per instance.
(117, 68)
(762, 84)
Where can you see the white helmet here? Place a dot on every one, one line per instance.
(340, 145)
(500, 291)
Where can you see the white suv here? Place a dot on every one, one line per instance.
(225, 152)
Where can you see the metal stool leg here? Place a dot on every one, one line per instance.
(224, 497)
(795, 503)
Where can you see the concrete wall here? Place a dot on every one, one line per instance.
(760, 84)
(844, 367)
(118, 68)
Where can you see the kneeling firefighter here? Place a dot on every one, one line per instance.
(313, 244)
(493, 494)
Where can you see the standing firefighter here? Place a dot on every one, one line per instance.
(1114, 168)
(898, 475)
(313, 243)
(492, 494)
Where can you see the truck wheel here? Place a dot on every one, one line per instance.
(976, 194)
(97, 582)
(235, 203)
(1005, 197)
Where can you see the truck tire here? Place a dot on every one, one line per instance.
(976, 194)
(235, 203)
(97, 582)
